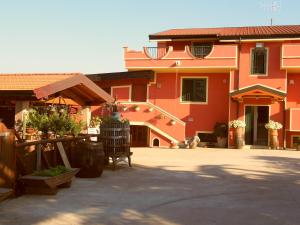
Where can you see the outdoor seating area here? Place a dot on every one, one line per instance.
(50, 136)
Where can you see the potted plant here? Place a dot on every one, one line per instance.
(47, 181)
(221, 132)
(172, 122)
(124, 108)
(136, 108)
(273, 128)
(160, 117)
(95, 122)
(238, 126)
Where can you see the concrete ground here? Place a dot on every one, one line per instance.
(203, 186)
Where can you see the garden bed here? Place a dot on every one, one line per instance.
(34, 184)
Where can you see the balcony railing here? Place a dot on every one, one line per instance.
(155, 52)
(201, 51)
(214, 57)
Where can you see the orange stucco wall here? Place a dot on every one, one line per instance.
(275, 78)
(121, 93)
(165, 93)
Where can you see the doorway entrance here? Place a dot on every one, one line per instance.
(255, 132)
(139, 136)
(7, 114)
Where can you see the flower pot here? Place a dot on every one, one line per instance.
(136, 108)
(239, 137)
(274, 139)
(221, 142)
(30, 130)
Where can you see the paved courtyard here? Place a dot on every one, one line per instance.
(165, 186)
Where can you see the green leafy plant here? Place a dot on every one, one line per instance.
(52, 171)
(60, 123)
(95, 121)
(221, 130)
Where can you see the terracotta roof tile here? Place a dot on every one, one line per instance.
(270, 31)
(30, 81)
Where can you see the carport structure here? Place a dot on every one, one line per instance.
(18, 90)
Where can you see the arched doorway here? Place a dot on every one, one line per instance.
(155, 142)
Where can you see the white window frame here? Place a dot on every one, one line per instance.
(267, 64)
(192, 102)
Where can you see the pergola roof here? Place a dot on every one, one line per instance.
(42, 86)
(258, 91)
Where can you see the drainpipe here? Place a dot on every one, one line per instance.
(284, 122)
(238, 78)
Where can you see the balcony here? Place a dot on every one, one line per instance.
(208, 58)
(290, 57)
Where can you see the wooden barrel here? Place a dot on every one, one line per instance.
(90, 159)
(115, 136)
(7, 159)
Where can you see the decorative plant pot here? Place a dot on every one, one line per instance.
(30, 130)
(221, 142)
(136, 108)
(274, 139)
(160, 117)
(239, 137)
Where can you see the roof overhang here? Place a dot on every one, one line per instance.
(257, 91)
(76, 87)
(146, 74)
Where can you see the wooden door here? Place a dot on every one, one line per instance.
(139, 136)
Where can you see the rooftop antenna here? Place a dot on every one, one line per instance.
(272, 7)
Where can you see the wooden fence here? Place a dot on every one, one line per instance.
(22, 158)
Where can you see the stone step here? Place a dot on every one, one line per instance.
(5, 193)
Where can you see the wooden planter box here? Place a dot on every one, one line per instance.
(47, 185)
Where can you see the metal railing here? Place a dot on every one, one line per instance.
(156, 52)
(201, 51)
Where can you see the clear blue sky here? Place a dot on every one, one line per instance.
(88, 35)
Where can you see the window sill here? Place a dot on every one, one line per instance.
(258, 75)
(193, 103)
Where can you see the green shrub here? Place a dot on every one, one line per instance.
(52, 171)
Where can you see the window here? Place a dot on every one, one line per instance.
(295, 141)
(194, 90)
(207, 137)
(259, 61)
(201, 50)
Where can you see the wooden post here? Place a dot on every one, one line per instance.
(63, 155)
(38, 157)
(7, 160)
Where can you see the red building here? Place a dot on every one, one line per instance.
(194, 78)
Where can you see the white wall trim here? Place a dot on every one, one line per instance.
(122, 86)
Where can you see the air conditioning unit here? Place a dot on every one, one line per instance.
(259, 45)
